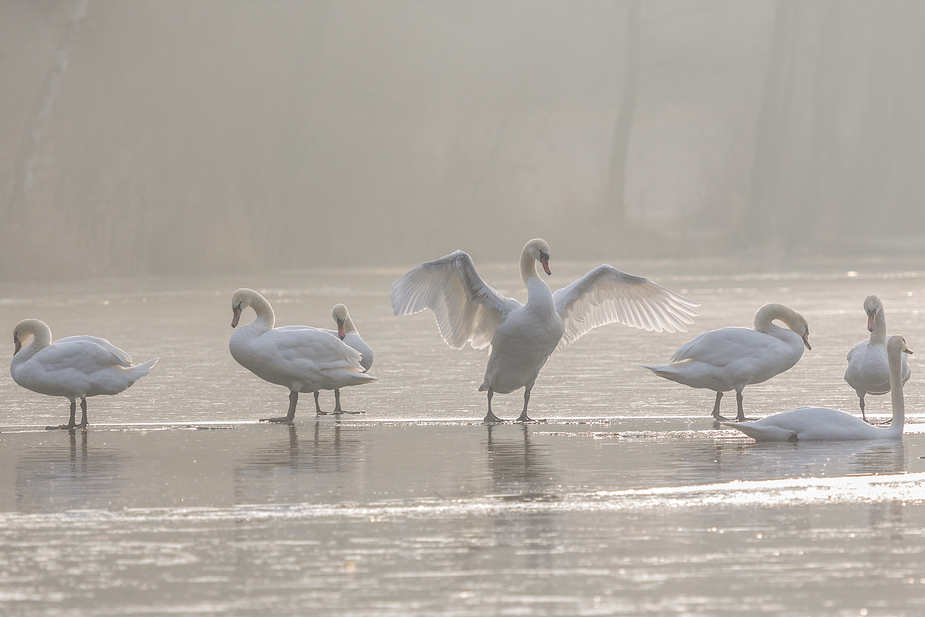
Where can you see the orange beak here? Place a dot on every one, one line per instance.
(237, 316)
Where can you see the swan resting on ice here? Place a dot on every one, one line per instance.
(824, 424)
(523, 336)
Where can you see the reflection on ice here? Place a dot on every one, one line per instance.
(76, 474)
(268, 474)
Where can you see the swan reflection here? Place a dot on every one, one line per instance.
(51, 477)
(284, 469)
(518, 468)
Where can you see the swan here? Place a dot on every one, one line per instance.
(347, 332)
(732, 358)
(73, 367)
(522, 337)
(302, 358)
(868, 370)
(824, 424)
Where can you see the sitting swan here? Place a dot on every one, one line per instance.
(73, 367)
(302, 358)
(522, 337)
(868, 369)
(347, 332)
(732, 358)
(824, 424)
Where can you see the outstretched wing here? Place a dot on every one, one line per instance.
(466, 309)
(606, 295)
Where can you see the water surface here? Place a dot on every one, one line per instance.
(627, 500)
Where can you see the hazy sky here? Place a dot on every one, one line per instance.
(198, 136)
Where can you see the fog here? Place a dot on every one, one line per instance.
(169, 137)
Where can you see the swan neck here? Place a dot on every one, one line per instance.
(41, 338)
(528, 268)
(266, 318)
(896, 393)
(349, 327)
(879, 333)
(766, 315)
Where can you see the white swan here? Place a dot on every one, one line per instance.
(347, 332)
(732, 358)
(522, 337)
(302, 358)
(868, 369)
(824, 424)
(73, 367)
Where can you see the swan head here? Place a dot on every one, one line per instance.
(240, 301)
(896, 345)
(24, 329)
(790, 317)
(802, 328)
(872, 306)
(539, 250)
(339, 313)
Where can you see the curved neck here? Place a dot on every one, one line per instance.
(266, 318)
(896, 394)
(528, 268)
(41, 338)
(767, 314)
(878, 335)
(348, 326)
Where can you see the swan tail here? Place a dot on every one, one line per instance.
(137, 371)
(763, 433)
(667, 371)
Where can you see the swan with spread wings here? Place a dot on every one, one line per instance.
(523, 336)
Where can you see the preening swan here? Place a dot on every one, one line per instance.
(347, 332)
(731, 358)
(522, 337)
(824, 424)
(868, 369)
(74, 367)
(302, 358)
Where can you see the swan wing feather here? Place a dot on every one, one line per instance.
(606, 295)
(465, 307)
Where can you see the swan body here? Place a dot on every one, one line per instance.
(824, 424)
(523, 336)
(868, 369)
(732, 358)
(74, 367)
(347, 332)
(302, 358)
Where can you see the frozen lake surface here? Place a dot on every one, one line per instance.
(627, 500)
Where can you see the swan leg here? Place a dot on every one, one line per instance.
(337, 408)
(523, 416)
(293, 401)
(71, 423)
(317, 406)
(716, 414)
(83, 413)
(740, 415)
(863, 416)
(490, 417)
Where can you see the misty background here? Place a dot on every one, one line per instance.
(201, 136)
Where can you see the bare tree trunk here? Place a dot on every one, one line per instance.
(19, 213)
(624, 123)
(761, 217)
